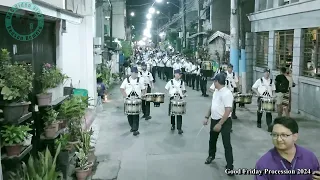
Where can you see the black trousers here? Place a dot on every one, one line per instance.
(188, 79)
(259, 115)
(166, 72)
(133, 122)
(203, 85)
(226, 140)
(146, 104)
(183, 74)
(195, 81)
(153, 72)
(173, 118)
(160, 72)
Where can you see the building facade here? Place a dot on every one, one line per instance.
(65, 41)
(287, 33)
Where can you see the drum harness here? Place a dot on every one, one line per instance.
(147, 75)
(227, 81)
(266, 93)
(132, 92)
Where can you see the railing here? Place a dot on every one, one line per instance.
(284, 48)
(262, 49)
(311, 53)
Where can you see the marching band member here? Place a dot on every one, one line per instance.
(198, 75)
(154, 68)
(203, 83)
(148, 82)
(176, 86)
(188, 73)
(133, 86)
(193, 74)
(264, 87)
(232, 84)
(176, 65)
(220, 115)
(161, 69)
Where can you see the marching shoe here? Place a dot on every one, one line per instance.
(230, 168)
(209, 160)
(135, 133)
(206, 95)
(148, 117)
(131, 130)
(173, 128)
(180, 131)
(258, 125)
(234, 116)
(144, 116)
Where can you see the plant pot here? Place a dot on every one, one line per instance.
(91, 156)
(44, 99)
(13, 150)
(14, 111)
(62, 124)
(72, 144)
(50, 131)
(82, 173)
(90, 165)
(67, 91)
(27, 141)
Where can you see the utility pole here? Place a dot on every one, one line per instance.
(184, 28)
(242, 63)
(234, 37)
(199, 23)
(111, 22)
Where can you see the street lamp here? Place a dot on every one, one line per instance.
(158, 1)
(158, 12)
(149, 16)
(132, 14)
(151, 10)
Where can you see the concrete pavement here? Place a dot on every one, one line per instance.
(158, 154)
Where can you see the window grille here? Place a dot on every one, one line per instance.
(284, 48)
(311, 53)
(262, 49)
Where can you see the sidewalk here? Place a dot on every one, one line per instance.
(158, 154)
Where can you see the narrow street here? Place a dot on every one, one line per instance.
(158, 153)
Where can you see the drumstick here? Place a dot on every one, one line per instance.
(200, 131)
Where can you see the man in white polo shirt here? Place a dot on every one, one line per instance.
(220, 115)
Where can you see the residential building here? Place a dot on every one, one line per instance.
(287, 33)
(66, 40)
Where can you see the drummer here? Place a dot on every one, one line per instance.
(264, 87)
(176, 86)
(148, 82)
(232, 84)
(132, 86)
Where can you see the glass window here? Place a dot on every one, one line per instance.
(311, 53)
(262, 49)
(284, 48)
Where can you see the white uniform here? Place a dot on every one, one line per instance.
(176, 66)
(220, 100)
(168, 63)
(147, 78)
(175, 88)
(231, 79)
(193, 69)
(198, 71)
(160, 63)
(133, 86)
(264, 86)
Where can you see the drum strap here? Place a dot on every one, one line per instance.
(180, 83)
(270, 81)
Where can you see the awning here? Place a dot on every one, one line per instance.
(219, 34)
(196, 34)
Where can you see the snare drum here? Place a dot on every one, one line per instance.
(178, 107)
(206, 65)
(132, 106)
(246, 98)
(158, 97)
(267, 104)
(237, 98)
(149, 97)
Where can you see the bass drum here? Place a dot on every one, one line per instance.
(132, 106)
(178, 107)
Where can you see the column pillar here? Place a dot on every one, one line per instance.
(271, 50)
(256, 5)
(249, 61)
(296, 64)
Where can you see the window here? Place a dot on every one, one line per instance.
(262, 49)
(311, 53)
(283, 49)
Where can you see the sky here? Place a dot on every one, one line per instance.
(140, 9)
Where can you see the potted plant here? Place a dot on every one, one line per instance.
(51, 123)
(43, 168)
(13, 137)
(85, 146)
(81, 165)
(15, 86)
(63, 156)
(50, 77)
